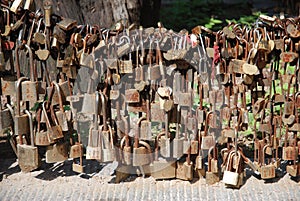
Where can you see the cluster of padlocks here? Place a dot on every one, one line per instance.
(174, 105)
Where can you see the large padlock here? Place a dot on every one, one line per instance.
(125, 66)
(184, 171)
(141, 154)
(93, 149)
(108, 149)
(21, 123)
(162, 168)
(185, 99)
(30, 88)
(28, 157)
(61, 115)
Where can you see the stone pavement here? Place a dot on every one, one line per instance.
(58, 182)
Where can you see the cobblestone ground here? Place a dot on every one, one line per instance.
(59, 182)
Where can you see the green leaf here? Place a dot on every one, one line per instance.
(67, 107)
(216, 21)
(35, 107)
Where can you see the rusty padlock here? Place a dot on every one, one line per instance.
(162, 168)
(28, 157)
(54, 131)
(21, 121)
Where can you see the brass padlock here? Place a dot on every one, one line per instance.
(67, 24)
(41, 136)
(28, 157)
(47, 5)
(54, 132)
(76, 150)
(267, 171)
(125, 66)
(207, 140)
(141, 154)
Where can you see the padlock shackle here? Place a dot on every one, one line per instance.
(46, 115)
(148, 147)
(60, 101)
(103, 106)
(110, 135)
(32, 77)
(96, 109)
(137, 133)
(30, 127)
(18, 94)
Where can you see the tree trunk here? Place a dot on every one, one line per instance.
(106, 12)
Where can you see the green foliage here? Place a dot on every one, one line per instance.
(187, 14)
(213, 14)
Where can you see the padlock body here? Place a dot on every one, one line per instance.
(30, 91)
(165, 147)
(42, 138)
(127, 155)
(140, 156)
(163, 169)
(55, 133)
(56, 153)
(267, 171)
(22, 124)
(62, 120)
(177, 147)
(89, 103)
(76, 151)
(28, 157)
(184, 171)
(6, 119)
